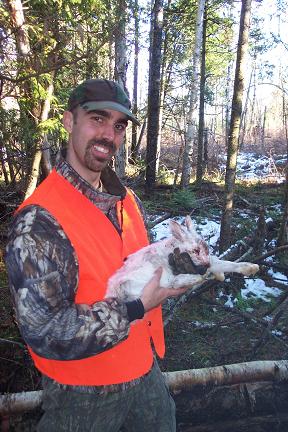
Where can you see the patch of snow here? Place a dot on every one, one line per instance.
(256, 288)
(252, 166)
(209, 230)
(230, 301)
(277, 275)
(277, 332)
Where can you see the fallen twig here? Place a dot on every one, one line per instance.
(276, 315)
(270, 253)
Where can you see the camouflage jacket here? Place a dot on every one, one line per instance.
(43, 278)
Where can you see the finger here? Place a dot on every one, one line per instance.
(157, 274)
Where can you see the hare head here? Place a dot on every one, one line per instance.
(189, 241)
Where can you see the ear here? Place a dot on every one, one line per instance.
(68, 121)
(177, 231)
(189, 224)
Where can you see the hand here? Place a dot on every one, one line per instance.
(153, 295)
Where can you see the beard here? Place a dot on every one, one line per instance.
(94, 162)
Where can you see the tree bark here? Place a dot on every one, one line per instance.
(41, 150)
(233, 139)
(237, 373)
(244, 114)
(121, 64)
(154, 96)
(134, 148)
(3, 165)
(17, 18)
(191, 126)
(199, 170)
(283, 231)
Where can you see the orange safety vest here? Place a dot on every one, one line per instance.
(100, 251)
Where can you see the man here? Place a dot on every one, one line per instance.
(67, 239)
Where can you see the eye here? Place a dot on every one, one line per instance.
(97, 119)
(120, 127)
(196, 251)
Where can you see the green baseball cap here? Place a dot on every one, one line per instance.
(100, 94)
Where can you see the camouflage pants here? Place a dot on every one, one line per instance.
(146, 407)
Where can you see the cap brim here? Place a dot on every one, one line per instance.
(93, 105)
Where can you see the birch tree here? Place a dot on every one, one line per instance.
(195, 78)
(234, 130)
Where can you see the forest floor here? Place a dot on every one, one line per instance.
(205, 331)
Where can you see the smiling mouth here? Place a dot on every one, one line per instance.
(101, 149)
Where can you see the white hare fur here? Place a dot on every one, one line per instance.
(128, 282)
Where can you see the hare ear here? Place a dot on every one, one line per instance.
(189, 224)
(177, 231)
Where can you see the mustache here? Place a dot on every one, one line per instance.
(103, 142)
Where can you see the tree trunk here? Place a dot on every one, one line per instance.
(90, 59)
(154, 96)
(227, 89)
(42, 149)
(233, 139)
(134, 148)
(263, 130)
(191, 126)
(121, 64)
(283, 231)
(244, 113)
(34, 174)
(3, 164)
(165, 76)
(141, 134)
(227, 105)
(205, 148)
(17, 18)
(199, 171)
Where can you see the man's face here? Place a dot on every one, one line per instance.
(95, 137)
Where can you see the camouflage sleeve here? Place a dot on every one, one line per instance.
(43, 276)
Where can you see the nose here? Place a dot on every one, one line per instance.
(108, 132)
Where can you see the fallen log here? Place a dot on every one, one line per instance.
(262, 370)
(13, 403)
(275, 371)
